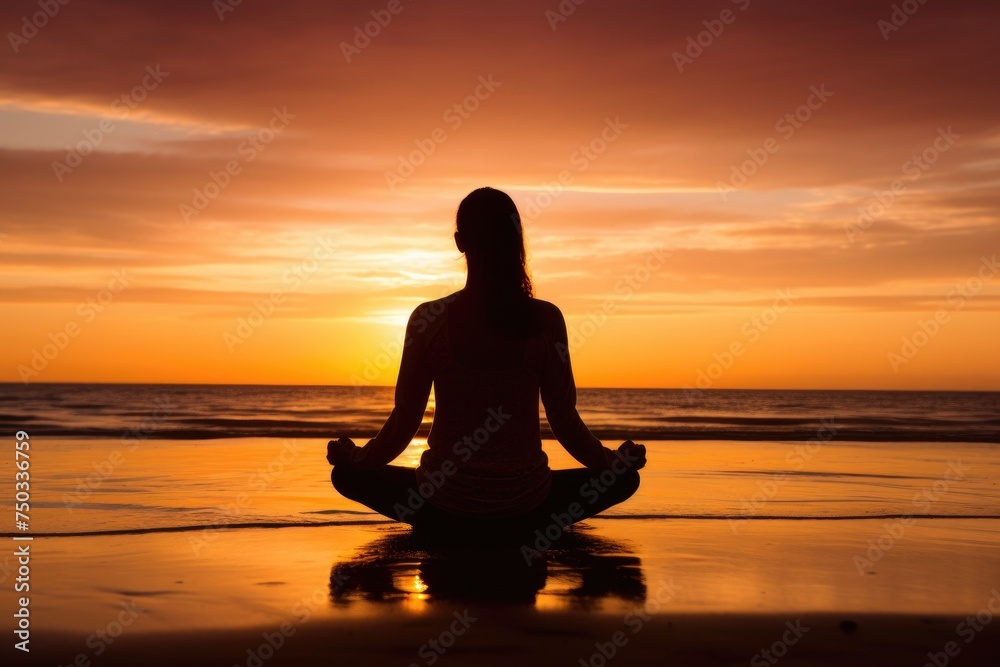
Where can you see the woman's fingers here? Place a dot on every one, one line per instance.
(640, 451)
(331, 452)
(336, 450)
(635, 452)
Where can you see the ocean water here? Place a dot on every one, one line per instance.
(228, 411)
(140, 458)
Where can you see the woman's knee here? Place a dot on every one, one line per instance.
(342, 479)
(624, 485)
(629, 484)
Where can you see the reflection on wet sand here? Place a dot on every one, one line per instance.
(580, 571)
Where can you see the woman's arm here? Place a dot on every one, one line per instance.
(412, 390)
(558, 390)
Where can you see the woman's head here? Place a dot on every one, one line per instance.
(489, 233)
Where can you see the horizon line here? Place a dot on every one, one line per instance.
(392, 386)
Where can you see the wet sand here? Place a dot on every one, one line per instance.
(615, 591)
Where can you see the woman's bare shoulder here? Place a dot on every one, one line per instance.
(436, 305)
(428, 313)
(548, 312)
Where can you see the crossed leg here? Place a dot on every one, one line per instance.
(575, 495)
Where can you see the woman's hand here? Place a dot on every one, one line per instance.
(339, 451)
(634, 455)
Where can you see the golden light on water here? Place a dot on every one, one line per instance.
(417, 585)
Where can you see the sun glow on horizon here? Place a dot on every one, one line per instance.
(657, 214)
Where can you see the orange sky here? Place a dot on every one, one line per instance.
(336, 216)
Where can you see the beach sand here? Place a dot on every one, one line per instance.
(617, 591)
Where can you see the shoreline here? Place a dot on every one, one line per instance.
(690, 591)
(601, 517)
(843, 434)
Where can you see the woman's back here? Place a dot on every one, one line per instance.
(485, 443)
(477, 344)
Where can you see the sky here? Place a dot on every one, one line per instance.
(727, 194)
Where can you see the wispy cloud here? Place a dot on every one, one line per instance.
(655, 185)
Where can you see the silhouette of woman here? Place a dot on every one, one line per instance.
(489, 350)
